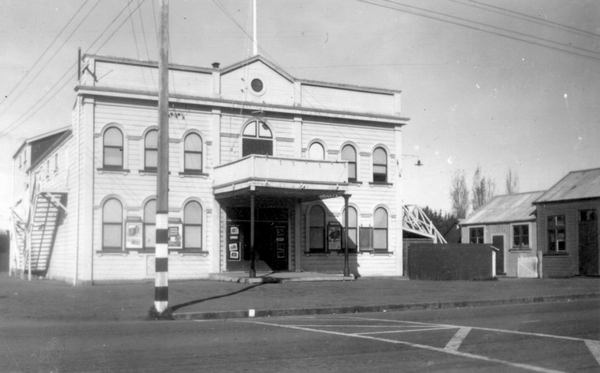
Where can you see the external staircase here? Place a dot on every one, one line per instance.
(35, 236)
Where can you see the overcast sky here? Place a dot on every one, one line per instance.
(500, 84)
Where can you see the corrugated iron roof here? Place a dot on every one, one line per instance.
(506, 208)
(576, 185)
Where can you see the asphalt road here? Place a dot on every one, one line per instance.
(548, 337)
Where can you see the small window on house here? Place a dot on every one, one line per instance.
(150, 225)
(352, 228)
(192, 226)
(588, 215)
(55, 162)
(47, 167)
(349, 154)
(257, 138)
(380, 169)
(557, 234)
(113, 148)
(257, 85)
(316, 151)
(112, 225)
(193, 153)
(380, 230)
(521, 235)
(151, 150)
(476, 235)
(316, 223)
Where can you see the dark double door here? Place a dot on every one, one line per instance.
(270, 240)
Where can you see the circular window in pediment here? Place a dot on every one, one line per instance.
(257, 87)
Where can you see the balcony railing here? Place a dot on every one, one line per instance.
(275, 172)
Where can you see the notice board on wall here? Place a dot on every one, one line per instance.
(234, 250)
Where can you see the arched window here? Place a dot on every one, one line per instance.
(352, 228)
(113, 148)
(112, 225)
(151, 150)
(192, 226)
(349, 154)
(316, 151)
(380, 230)
(192, 148)
(150, 224)
(316, 224)
(380, 165)
(257, 138)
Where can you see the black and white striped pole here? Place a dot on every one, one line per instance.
(161, 283)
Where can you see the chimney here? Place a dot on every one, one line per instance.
(215, 65)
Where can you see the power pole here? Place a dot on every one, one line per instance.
(161, 283)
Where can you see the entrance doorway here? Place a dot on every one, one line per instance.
(271, 239)
(498, 243)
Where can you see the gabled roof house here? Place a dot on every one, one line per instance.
(509, 224)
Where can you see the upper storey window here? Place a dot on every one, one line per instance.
(151, 150)
(193, 153)
(113, 148)
(316, 151)
(349, 154)
(380, 169)
(257, 138)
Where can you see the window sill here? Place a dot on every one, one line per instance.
(556, 254)
(123, 171)
(197, 174)
(317, 253)
(184, 252)
(380, 183)
(382, 253)
(520, 250)
(118, 252)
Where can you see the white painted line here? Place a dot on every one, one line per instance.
(458, 338)
(403, 331)
(594, 347)
(366, 326)
(415, 345)
(480, 328)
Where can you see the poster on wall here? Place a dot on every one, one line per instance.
(133, 234)
(175, 237)
(280, 241)
(334, 236)
(233, 244)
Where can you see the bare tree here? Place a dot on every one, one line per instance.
(512, 182)
(483, 189)
(459, 194)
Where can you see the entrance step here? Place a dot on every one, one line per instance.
(278, 277)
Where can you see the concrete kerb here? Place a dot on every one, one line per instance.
(377, 308)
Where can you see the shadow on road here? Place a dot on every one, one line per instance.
(178, 306)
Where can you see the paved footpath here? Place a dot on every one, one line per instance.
(45, 300)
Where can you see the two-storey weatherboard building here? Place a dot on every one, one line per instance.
(247, 134)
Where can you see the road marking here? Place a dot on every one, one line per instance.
(415, 345)
(594, 347)
(458, 338)
(480, 328)
(402, 331)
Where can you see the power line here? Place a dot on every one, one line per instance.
(13, 125)
(42, 55)
(51, 58)
(535, 19)
(484, 30)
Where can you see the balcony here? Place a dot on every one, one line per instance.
(304, 179)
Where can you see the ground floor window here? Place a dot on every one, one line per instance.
(521, 235)
(112, 225)
(352, 228)
(380, 230)
(557, 234)
(476, 235)
(316, 229)
(192, 226)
